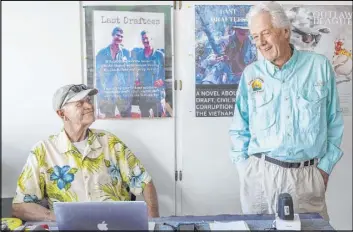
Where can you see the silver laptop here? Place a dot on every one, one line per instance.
(101, 216)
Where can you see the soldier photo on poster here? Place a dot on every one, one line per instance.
(223, 48)
(131, 70)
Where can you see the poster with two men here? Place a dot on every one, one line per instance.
(129, 63)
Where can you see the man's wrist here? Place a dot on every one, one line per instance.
(322, 170)
(241, 167)
(49, 216)
(153, 212)
(323, 165)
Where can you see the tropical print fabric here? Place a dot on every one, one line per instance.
(57, 171)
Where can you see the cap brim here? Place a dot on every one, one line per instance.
(81, 95)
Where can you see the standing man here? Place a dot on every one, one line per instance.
(151, 79)
(115, 82)
(287, 126)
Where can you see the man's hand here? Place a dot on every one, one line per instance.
(159, 83)
(163, 108)
(222, 58)
(241, 167)
(137, 82)
(325, 177)
(150, 196)
(151, 113)
(32, 212)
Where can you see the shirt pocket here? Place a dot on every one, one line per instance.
(312, 107)
(263, 113)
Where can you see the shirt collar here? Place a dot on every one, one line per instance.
(152, 54)
(272, 69)
(65, 145)
(108, 50)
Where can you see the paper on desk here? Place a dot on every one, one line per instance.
(234, 225)
(151, 226)
(52, 225)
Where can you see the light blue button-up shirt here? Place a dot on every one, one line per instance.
(293, 114)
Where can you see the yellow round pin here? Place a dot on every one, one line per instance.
(12, 223)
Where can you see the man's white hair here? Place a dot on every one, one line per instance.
(278, 14)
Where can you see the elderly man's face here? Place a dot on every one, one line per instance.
(80, 112)
(269, 40)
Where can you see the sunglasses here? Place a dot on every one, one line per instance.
(76, 89)
(307, 37)
(119, 35)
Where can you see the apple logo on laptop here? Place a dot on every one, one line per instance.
(102, 226)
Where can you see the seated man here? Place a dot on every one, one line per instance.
(79, 164)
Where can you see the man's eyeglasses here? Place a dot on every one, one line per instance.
(308, 37)
(76, 89)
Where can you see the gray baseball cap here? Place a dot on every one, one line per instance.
(71, 93)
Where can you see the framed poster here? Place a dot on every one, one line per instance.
(223, 49)
(129, 60)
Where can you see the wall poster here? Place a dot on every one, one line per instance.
(327, 29)
(223, 49)
(129, 60)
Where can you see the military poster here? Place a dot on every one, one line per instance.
(327, 29)
(223, 49)
(129, 61)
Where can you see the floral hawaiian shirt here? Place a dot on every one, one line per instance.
(57, 171)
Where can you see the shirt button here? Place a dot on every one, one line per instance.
(89, 193)
(288, 116)
(298, 97)
(283, 81)
(288, 134)
(86, 177)
(286, 98)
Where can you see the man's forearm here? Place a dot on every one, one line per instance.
(150, 196)
(32, 212)
(335, 124)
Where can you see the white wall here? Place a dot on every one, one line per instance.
(41, 51)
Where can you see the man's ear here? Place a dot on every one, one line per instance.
(286, 33)
(60, 113)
